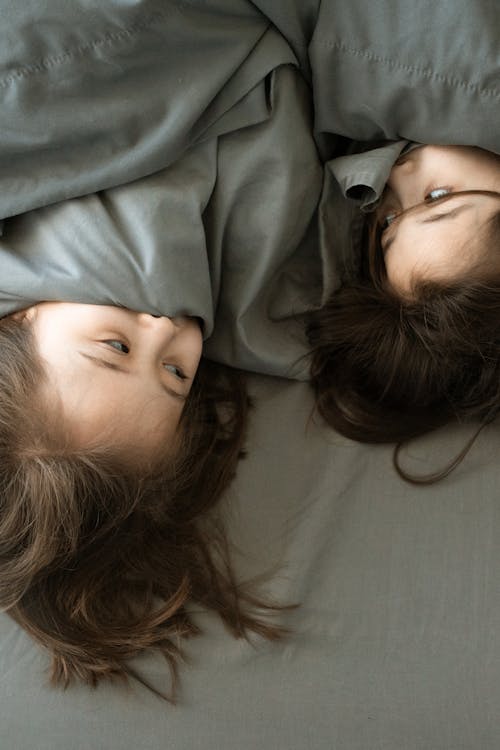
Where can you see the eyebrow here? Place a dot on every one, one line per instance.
(107, 365)
(447, 214)
(433, 218)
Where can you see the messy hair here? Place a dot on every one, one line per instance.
(387, 367)
(98, 561)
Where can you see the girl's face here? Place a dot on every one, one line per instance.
(120, 375)
(427, 234)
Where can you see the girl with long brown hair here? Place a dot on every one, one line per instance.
(105, 529)
(90, 539)
(415, 343)
(117, 438)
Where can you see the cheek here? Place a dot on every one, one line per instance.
(151, 441)
(399, 274)
(140, 441)
(403, 259)
(98, 416)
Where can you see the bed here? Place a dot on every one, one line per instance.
(395, 644)
(396, 641)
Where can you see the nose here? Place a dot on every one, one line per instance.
(406, 164)
(153, 322)
(157, 324)
(405, 181)
(150, 318)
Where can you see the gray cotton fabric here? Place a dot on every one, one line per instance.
(162, 154)
(391, 69)
(395, 645)
(210, 235)
(204, 159)
(97, 93)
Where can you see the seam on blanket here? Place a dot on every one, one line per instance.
(45, 64)
(424, 72)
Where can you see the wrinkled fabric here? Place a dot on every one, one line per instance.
(213, 156)
(395, 644)
(96, 93)
(210, 236)
(396, 69)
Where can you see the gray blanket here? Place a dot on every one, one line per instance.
(196, 146)
(230, 117)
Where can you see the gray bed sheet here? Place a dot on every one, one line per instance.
(395, 645)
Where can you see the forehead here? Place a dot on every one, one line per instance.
(437, 242)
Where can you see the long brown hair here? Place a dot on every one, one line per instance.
(97, 560)
(387, 368)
